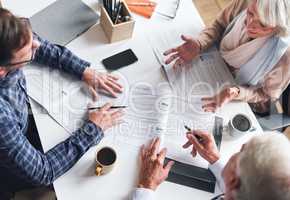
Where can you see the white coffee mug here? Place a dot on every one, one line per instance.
(239, 125)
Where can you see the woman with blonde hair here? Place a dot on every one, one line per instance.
(253, 39)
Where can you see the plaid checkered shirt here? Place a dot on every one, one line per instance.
(19, 160)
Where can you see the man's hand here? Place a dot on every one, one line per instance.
(210, 104)
(153, 172)
(106, 118)
(97, 80)
(206, 147)
(184, 53)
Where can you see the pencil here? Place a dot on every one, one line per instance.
(118, 12)
(112, 107)
(106, 6)
(114, 8)
(111, 8)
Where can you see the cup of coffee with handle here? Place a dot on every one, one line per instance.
(105, 160)
(239, 125)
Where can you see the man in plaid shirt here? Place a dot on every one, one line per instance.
(21, 164)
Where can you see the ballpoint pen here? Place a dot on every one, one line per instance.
(115, 9)
(118, 12)
(112, 107)
(104, 4)
(196, 136)
(110, 8)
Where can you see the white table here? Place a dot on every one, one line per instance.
(80, 182)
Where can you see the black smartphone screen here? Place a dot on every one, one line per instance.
(120, 60)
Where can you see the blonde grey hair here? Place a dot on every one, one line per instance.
(264, 169)
(275, 13)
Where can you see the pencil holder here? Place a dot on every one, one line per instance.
(119, 31)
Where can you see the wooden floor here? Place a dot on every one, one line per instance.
(209, 9)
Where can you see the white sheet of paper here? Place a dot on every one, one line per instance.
(203, 77)
(146, 116)
(63, 97)
(66, 99)
(167, 8)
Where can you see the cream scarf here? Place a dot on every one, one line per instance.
(236, 47)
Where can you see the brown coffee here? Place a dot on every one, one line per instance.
(106, 156)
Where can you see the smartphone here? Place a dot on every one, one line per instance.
(120, 60)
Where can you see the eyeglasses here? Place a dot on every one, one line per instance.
(26, 22)
(22, 62)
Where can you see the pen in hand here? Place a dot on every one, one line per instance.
(199, 139)
(112, 107)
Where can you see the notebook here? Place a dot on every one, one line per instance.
(63, 21)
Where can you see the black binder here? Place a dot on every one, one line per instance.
(196, 177)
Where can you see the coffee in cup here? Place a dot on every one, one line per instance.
(105, 160)
(239, 125)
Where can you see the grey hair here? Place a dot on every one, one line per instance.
(275, 13)
(264, 169)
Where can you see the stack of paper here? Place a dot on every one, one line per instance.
(204, 76)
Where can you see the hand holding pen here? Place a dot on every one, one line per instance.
(199, 139)
(105, 117)
(205, 146)
(112, 107)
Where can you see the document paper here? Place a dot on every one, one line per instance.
(203, 77)
(66, 100)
